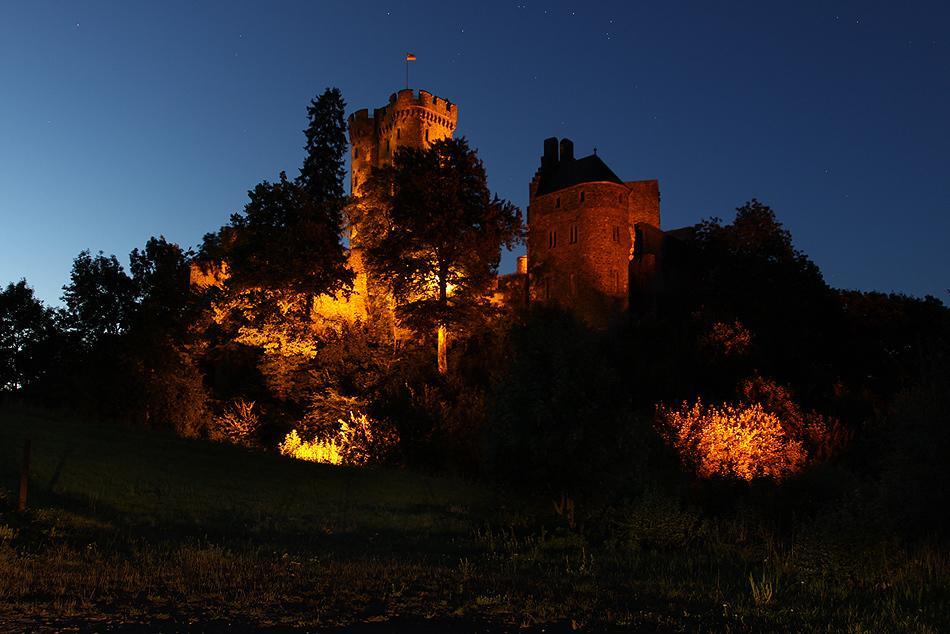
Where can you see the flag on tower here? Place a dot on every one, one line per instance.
(410, 57)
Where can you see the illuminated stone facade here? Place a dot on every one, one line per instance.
(582, 222)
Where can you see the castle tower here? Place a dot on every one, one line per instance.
(408, 120)
(412, 120)
(582, 223)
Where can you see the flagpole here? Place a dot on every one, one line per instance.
(409, 58)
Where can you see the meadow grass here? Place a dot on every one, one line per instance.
(136, 528)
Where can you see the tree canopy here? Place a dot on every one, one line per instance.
(437, 233)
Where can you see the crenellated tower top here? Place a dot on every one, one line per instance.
(410, 119)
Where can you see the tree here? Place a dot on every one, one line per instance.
(286, 241)
(323, 168)
(750, 272)
(26, 328)
(436, 237)
(160, 276)
(100, 298)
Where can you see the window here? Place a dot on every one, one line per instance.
(557, 202)
(356, 152)
(552, 238)
(616, 234)
(427, 135)
(582, 195)
(574, 234)
(387, 145)
(397, 133)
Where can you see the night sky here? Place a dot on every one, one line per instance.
(123, 120)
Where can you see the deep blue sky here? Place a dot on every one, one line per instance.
(122, 120)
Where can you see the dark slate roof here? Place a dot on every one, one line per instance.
(564, 174)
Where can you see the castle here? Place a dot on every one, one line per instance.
(590, 234)
(582, 218)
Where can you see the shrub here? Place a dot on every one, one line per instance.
(359, 441)
(237, 424)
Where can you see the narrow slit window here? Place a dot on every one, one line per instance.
(397, 133)
(557, 202)
(552, 238)
(574, 234)
(616, 234)
(582, 195)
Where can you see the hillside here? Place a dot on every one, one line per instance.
(139, 528)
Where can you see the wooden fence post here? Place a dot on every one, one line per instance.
(24, 477)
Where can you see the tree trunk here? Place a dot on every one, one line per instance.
(443, 357)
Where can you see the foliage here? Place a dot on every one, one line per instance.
(284, 241)
(560, 415)
(763, 435)
(100, 298)
(238, 424)
(160, 274)
(733, 441)
(27, 336)
(433, 231)
(749, 272)
(325, 451)
(358, 441)
(324, 166)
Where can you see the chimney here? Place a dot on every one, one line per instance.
(550, 152)
(567, 150)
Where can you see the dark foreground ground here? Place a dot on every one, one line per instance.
(131, 530)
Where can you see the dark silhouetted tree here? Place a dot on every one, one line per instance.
(285, 241)
(100, 298)
(436, 236)
(324, 166)
(26, 331)
(160, 274)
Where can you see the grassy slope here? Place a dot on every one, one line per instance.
(138, 527)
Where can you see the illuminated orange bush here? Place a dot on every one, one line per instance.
(733, 441)
(764, 435)
(359, 441)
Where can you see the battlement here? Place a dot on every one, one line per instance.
(408, 98)
(404, 104)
